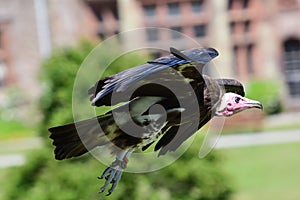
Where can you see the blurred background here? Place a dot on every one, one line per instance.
(43, 43)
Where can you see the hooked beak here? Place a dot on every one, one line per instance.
(253, 104)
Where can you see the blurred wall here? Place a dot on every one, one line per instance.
(29, 31)
(254, 37)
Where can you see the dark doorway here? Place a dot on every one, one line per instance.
(291, 58)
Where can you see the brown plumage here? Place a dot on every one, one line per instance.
(147, 85)
(187, 101)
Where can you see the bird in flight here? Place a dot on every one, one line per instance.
(187, 100)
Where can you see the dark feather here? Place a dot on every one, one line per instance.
(147, 146)
(166, 138)
(178, 54)
(75, 139)
(175, 140)
(102, 90)
(198, 55)
(144, 85)
(212, 94)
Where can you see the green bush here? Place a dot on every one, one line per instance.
(268, 93)
(44, 178)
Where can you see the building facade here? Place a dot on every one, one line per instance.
(255, 38)
(29, 31)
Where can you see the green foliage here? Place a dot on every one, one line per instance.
(268, 93)
(187, 178)
(44, 178)
(14, 129)
(58, 74)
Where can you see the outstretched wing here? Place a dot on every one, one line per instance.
(184, 62)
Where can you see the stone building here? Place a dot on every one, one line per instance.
(29, 31)
(256, 38)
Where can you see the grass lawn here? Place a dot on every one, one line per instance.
(15, 129)
(264, 172)
(3, 179)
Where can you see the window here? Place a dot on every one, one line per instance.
(2, 65)
(101, 35)
(115, 12)
(200, 30)
(104, 11)
(247, 25)
(197, 6)
(0, 39)
(173, 8)
(232, 27)
(152, 34)
(176, 34)
(249, 50)
(230, 4)
(245, 3)
(149, 10)
(235, 60)
(2, 73)
(292, 66)
(238, 4)
(99, 16)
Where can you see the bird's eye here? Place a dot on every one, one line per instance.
(237, 99)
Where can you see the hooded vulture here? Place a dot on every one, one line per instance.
(161, 102)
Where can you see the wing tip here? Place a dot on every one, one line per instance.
(212, 52)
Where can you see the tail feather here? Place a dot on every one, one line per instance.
(69, 150)
(77, 150)
(75, 139)
(62, 141)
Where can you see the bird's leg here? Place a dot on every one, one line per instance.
(113, 173)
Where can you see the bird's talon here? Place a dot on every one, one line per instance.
(113, 173)
(101, 190)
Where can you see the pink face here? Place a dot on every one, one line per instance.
(232, 103)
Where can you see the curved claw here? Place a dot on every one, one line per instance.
(112, 175)
(115, 182)
(105, 173)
